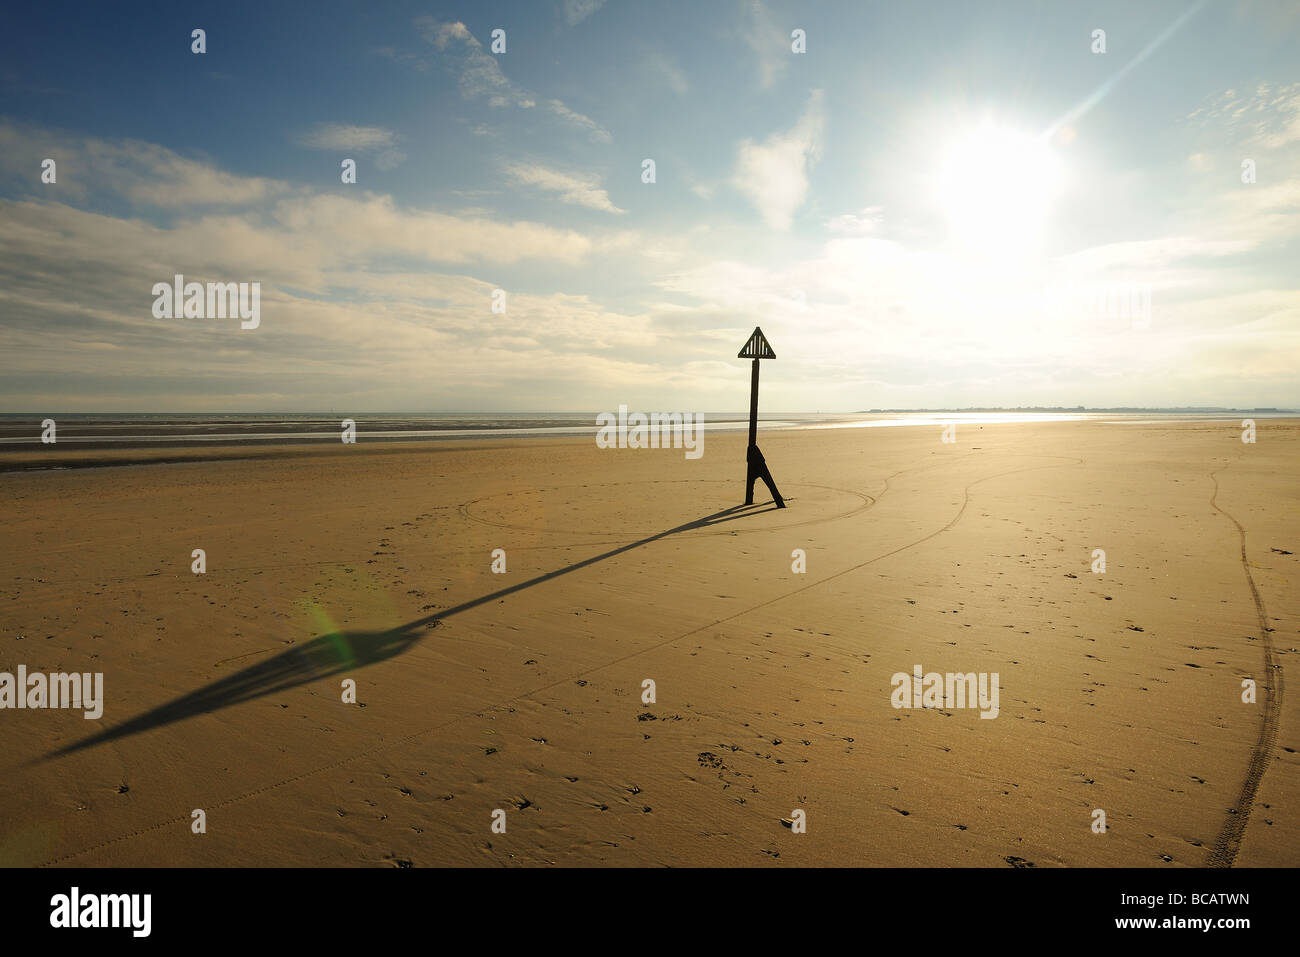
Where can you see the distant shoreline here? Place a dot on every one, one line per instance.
(1117, 410)
(83, 442)
(551, 414)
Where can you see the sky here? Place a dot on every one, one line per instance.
(923, 204)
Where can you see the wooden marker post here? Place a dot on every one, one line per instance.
(756, 466)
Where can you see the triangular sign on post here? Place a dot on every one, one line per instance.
(755, 465)
(756, 347)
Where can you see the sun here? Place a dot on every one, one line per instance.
(996, 186)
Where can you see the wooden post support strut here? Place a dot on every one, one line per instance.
(756, 466)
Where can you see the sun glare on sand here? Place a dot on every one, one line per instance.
(996, 186)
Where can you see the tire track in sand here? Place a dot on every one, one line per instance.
(1228, 842)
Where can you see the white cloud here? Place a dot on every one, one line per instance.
(84, 331)
(443, 33)
(857, 224)
(372, 227)
(669, 72)
(774, 174)
(1268, 118)
(178, 182)
(580, 190)
(75, 292)
(413, 60)
(595, 132)
(1147, 255)
(269, 221)
(479, 75)
(345, 138)
(145, 173)
(387, 303)
(341, 136)
(478, 72)
(575, 11)
(769, 43)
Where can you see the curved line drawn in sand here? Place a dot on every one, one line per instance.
(236, 799)
(1228, 842)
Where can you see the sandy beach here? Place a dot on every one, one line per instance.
(522, 691)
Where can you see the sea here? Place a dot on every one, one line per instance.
(145, 430)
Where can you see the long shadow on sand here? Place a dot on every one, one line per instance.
(348, 650)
